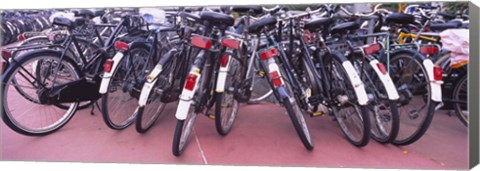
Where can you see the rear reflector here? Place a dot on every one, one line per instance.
(429, 50)
(107, 67)
(437, 73)
(21, 37)
(6, 54)
(3, 65)
(371, 49)
(231, 43)
(382, 68)
(201, 42)
(121, 45)
(269, 53)
(190, 82)
(276, 79)
(224, 60)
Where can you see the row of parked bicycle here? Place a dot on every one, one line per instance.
(378, 74)
(14, 23)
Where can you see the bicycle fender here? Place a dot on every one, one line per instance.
(147, 87)
(186, 97)
(386, 80)
(222, 76)
(357, 83)
(107, 76)
(436, 86)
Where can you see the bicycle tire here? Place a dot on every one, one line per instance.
(342, 86)
(226, 105)
(460, 94)
(422, 92)
(295, 115)
(183, 132)
(147, 115)
(383, 116)
(118, 101)
(13, 122)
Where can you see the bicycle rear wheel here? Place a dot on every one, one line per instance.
(460, 96)
(226, 105)
(24, 111)
(119, 103)
(350, 115)
(147, 115)
(415, 107)
(383, 116)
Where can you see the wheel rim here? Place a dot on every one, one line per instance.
(124, 89)
(410, 78)
(46, 118)
(187, 128)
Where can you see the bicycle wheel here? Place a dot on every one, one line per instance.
(296, 116)
(350, 115)
(119, 103)
(36, 117)
(261, 89)
(183, 130)
(148, 114)
(460, 96)
(415, 107)
(383, 116)
(226, 106)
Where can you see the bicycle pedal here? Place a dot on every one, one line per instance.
(211, 116)
(261, 73)
(316, 114)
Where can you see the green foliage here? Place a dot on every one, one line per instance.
(453, 7)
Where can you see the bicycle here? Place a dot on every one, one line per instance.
(57, 82)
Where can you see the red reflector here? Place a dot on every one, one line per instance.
(269, 53)
(201, 42)
(382, 68)
(224, 60)
(437, 73)
(107, 67)
(190, 82)
(428, 50)
(372, 49)
(121, 45)
(276, 79)
(21, 37)
(6, 54)
(4, 66)
(231, 43)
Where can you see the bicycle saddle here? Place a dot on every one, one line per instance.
(398, 18)
(244, 9)
(343, 28)
(217, 19)
(259, 25)
(318, 23)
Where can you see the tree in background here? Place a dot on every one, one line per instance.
(455, 7)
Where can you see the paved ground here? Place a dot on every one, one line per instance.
(262, 135)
